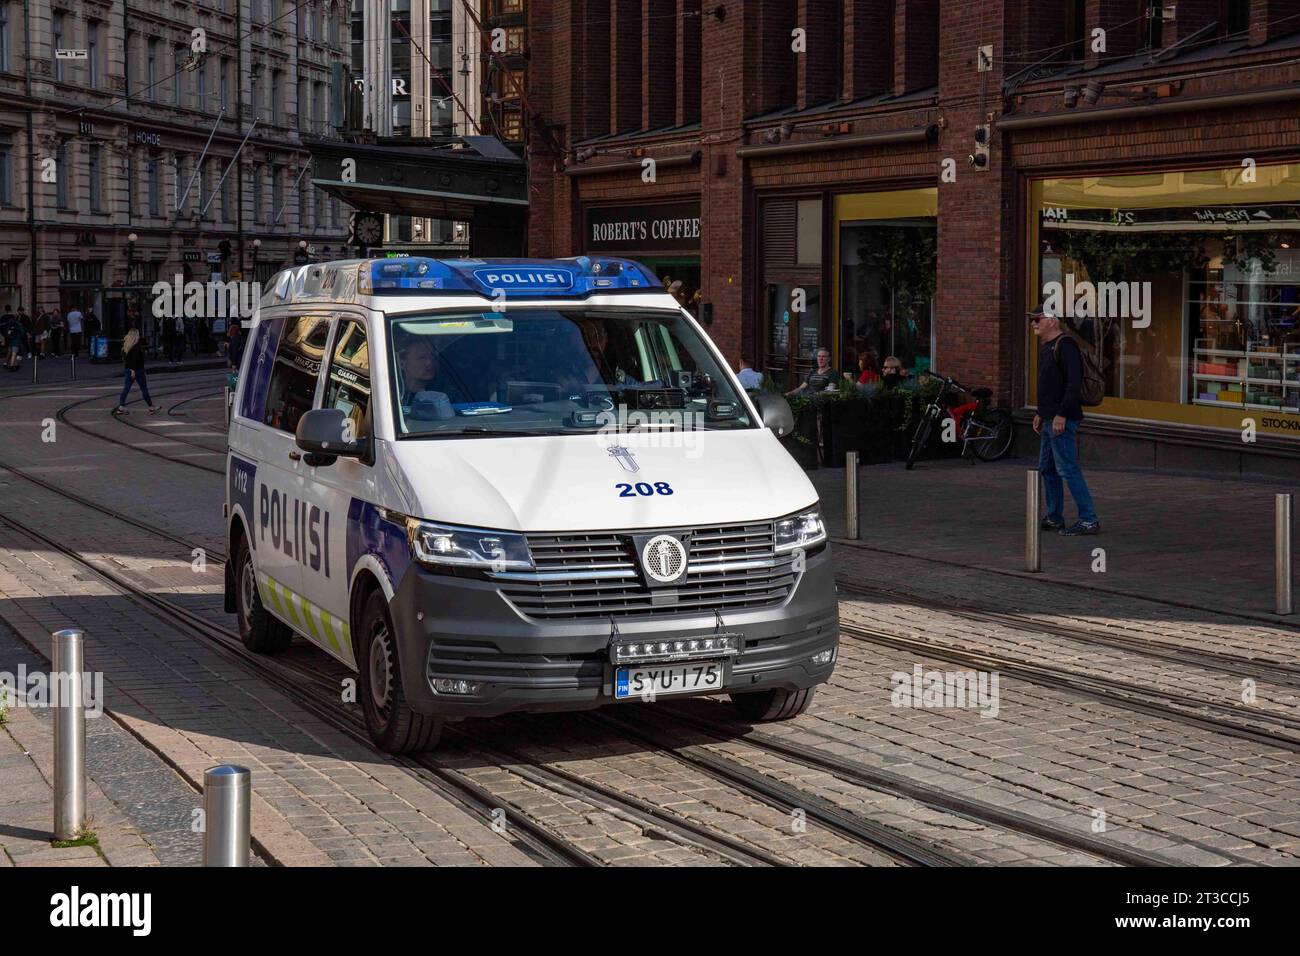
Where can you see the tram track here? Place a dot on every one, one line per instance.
(291, 679)
(62, 416)
(917, 852)
(1276, 672)
(1152, 702)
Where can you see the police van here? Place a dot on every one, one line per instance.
(517, 485)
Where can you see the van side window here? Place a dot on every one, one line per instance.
(258, 365)
(297, 368)
(348, 385)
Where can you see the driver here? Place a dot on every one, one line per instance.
(418, 362)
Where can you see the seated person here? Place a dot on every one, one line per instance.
(417, 365)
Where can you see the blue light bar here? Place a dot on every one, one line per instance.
(504, 278)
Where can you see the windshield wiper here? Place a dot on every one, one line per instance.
(491, 432)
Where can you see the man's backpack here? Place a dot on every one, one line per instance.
(1093, 387)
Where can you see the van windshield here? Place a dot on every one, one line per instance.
(556, 371)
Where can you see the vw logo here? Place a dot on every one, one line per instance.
(664, 558)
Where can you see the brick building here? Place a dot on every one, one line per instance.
(819, 178)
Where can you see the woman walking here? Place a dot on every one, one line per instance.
(133, 360)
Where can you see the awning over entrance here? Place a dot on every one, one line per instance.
(474, 179)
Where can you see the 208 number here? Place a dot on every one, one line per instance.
(644, 489)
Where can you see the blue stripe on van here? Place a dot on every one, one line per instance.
(242, 480)
(369, 533)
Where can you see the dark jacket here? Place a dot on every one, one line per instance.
(134, 359)
(1060, 377)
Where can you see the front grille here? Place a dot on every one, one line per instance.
(598, 575)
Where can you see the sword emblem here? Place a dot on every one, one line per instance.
(624, 457)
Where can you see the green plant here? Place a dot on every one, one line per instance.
(4, 707)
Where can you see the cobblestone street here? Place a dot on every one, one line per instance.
(1157, 724)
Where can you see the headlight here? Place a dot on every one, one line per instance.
(800, 531)
(449, 546)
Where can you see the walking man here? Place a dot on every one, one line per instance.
(74, 328)
(1060, 379)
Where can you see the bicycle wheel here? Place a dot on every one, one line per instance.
(918, 442)
(992, 433)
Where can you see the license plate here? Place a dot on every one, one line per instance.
(700, 677)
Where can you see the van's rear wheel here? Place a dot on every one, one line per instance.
(775, 704)
(260, 632)
(393, 725)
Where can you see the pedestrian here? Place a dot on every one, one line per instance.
(42, 333)
(234, 345)
(750, 379)
(74, 319)
(178, 339)
(1060, 381)
(13, 339)
(76, 323)
(29, 332)
(133, 362)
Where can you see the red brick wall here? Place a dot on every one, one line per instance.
(1192, 16)
(625, 65)
(659, 63)
(688, 62)
(916, 43)
(976, 231)
(1121, 21)
(819, 66)
(868, 47)
(1270, 19)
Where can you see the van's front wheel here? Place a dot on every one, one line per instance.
(775, 704)
(260, 632)
(393, 725)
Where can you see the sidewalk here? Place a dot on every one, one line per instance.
(126, 788)
(57, 370)
(1197, 542)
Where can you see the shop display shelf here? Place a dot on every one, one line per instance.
(1206, 401)
(1217, 378)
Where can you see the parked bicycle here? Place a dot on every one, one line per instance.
(985, 431)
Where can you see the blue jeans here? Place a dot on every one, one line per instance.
(141, 381)
(1058, 460)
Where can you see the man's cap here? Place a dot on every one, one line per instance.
(1041, 311)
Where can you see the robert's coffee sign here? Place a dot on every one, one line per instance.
(663, 227)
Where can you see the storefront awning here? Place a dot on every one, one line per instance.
(460, 180)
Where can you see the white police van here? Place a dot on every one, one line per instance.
(501, 485)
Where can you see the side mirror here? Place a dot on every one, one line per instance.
(325, 434)
(776, 413)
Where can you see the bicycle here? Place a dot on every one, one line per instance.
(987, 432)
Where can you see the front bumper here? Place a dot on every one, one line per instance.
(464, 628)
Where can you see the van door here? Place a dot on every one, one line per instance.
(281, 525)
(330, 490)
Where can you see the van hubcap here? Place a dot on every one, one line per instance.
(248, 593)
(381, 668)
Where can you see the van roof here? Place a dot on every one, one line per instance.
(365, 280)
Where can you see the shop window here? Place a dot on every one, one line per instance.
(1187, 287)
(808, 232)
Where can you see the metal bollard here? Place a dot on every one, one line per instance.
(36, 363)
(851, 495)
(74, 366)
(69, 734)
(1033, 517)
(225, 389)
(1282, 553)
(227, 810)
